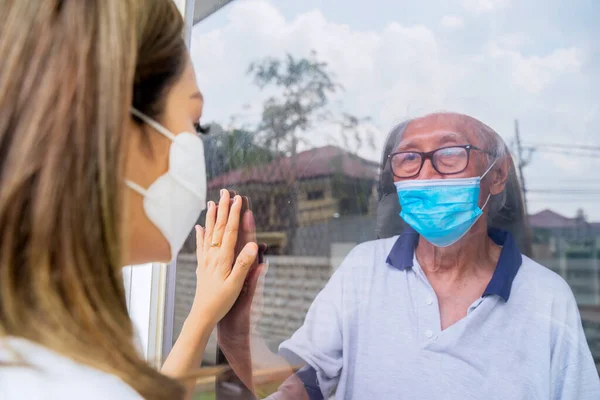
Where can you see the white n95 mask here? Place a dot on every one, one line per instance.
(174, 201)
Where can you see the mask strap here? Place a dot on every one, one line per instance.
(486, 201)
(158, 127)
(488, 170)
(484, 174)
(136, 188)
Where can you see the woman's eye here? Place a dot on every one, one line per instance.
(202, 129)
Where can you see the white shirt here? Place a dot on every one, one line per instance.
(51, 376)
(374, 333)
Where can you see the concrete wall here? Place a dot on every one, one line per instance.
(291, 285)
(293, 282)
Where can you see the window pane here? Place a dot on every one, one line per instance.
(302, 97)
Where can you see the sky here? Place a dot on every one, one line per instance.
(535, 61)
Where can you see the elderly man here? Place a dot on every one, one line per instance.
(450, 309)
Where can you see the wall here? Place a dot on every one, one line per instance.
(291, 285)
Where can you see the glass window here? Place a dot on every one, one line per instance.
(301, 97)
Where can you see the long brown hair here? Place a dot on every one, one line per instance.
(70, 72)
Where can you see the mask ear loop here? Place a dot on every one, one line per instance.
(484, 174)
(158, 127)
(486, 201)
(488, 170)
(136, 188)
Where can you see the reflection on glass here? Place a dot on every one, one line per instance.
(302, 108)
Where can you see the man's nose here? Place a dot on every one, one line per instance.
(428, 172)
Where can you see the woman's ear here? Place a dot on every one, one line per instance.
(499, 175)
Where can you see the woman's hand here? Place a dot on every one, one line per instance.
(220, 275)
(240, 321)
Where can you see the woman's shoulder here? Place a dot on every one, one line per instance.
(28, 370)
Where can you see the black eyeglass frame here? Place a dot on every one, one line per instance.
(429, 156)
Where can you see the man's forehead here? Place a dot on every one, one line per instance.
(446, 125)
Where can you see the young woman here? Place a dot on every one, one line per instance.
(100, 168)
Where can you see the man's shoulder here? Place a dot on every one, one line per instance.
(368, 256)
(536, 277)
(543, 290)
(371, 247)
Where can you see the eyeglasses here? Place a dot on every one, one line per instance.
(445, 160)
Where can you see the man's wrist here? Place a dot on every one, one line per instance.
(232, 341)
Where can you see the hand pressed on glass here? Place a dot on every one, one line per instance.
(241, 319)
(235, 329)
(221, 272)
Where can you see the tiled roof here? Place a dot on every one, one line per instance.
(549, 219)
(313, 163)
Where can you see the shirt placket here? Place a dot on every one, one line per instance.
(428, 310)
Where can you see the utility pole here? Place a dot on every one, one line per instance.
(521, 163)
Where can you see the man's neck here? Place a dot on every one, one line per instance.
(474, 256)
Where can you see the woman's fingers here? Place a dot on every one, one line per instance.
(211, 216)
(199, 241)
(243, 263)
(232, 228)
(222, 216)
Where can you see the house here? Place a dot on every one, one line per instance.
(311, 189)
(555, 235)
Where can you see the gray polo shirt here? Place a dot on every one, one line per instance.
(374, 333)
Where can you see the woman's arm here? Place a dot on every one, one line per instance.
(219, 283)
(187, 351)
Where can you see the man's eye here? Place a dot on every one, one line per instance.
(202, 129)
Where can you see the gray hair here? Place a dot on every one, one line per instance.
(505, 210)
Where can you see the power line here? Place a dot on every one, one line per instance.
(578, 153)
(564, 191)
(556, 179)
(564, 200)
(563, 146)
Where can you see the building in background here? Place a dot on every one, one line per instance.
(300, 202)
(571, 248)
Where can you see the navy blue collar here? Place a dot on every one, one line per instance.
(402, 254)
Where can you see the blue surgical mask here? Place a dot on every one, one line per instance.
(441, 210)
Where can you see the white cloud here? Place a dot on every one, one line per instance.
(452, 22)
(402, 70)
(385, 74)
(483, 6)
(513, 41)
(534, 73)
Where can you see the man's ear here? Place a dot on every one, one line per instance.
(499, 175)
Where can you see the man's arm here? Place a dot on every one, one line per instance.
(317, 344)
(578, 381)
(574, 374)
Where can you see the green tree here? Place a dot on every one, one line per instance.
(228, 150)
(304, 85)
(303, 88)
